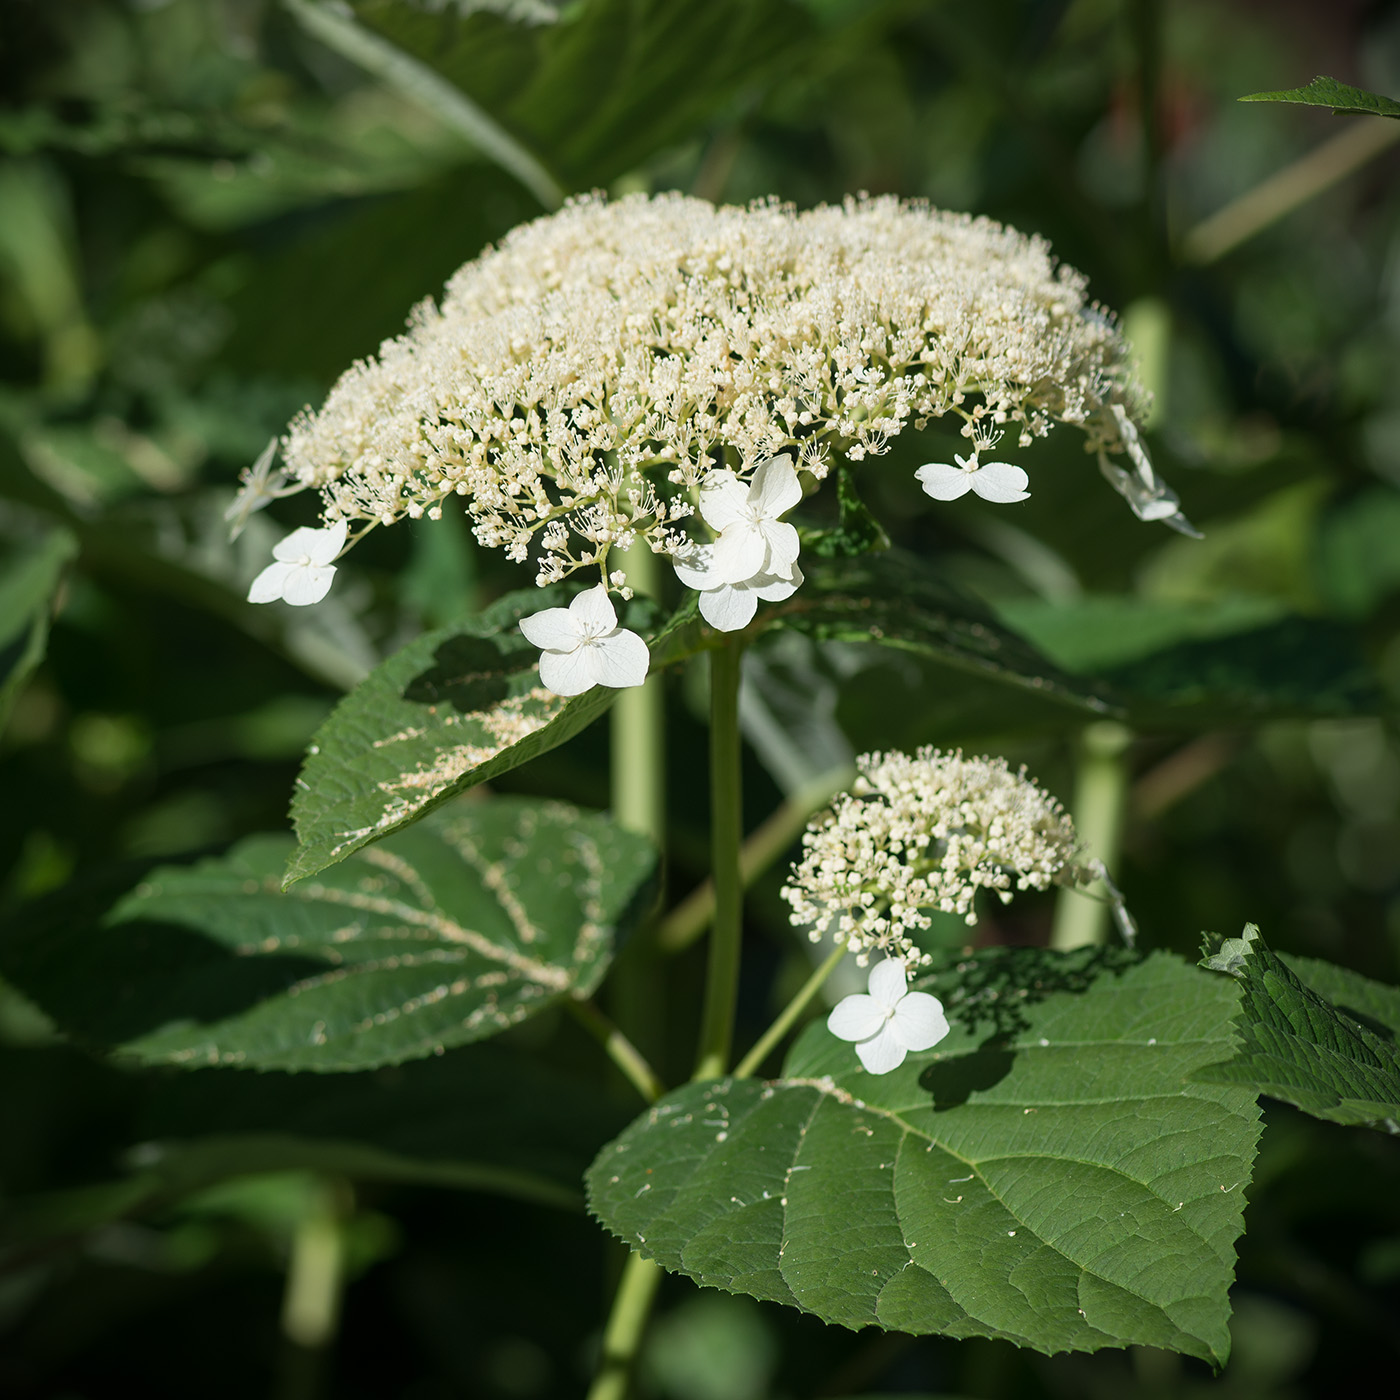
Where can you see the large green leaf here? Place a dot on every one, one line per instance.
(445, 934)
(1202, 663)
(900, 601)
(451, 710)
(30, 569)
(1328, 92)
(1044, 1175)
(1295, 1045)
(611, 83)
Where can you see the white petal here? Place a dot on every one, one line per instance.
(694, 570)
(729, 607)
(268, 586)
(773, 588)
(1000, 481)
(554, 629)
(595, 607)
(723, 500)
(739, 554)
(326, 547)
(775, 487)
(856, 1017)
(882, 1053)
(783, 546)
(307, 584)
(304, 543)
(919, 1021)
(944, 482)
(888, 981)
(567, 672)
(620, 660)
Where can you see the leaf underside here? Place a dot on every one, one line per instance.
(442, 935)
(1296, 1045)
(1044, 1175)
(897, 600)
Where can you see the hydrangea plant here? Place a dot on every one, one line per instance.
(1040, 1146)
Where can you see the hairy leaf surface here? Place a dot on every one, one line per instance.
(1296, 1045)
(445, 934)
(1044, 1175)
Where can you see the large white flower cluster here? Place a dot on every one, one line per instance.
(612, 369)
(924, 833)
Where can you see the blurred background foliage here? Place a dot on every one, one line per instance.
(208, 208)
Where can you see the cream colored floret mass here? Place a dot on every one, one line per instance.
(924, 833)
(578, 381)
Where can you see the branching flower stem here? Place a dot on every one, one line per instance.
(726, 830)
(618, 1049)
(789, 1014)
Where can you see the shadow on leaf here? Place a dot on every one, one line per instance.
(953, 1082)
(471, 673)
(993, 989)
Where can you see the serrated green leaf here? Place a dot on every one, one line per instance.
(1372, 1003)
(1328, 92)
(30, 571)
(451, 710)
(899, 601)
(1295, 1045)
(442, 935)
(1044, 1175)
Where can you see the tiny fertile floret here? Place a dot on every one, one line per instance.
(924, 833)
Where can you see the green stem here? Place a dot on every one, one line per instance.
(639, 730)
(626, 1322)
(690, 918)
(726, 829)
(789, 1014)
(619, 1049)
(315, 1285)
(1100, 790)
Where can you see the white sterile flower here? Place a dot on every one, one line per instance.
(890, 1021)
(752, 539)
(304, 567)
(993, 481)
(583, 646)
(728, 607)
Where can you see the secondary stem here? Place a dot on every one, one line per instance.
(726, 823)
(1100, 791)
(789, 1014)
(623, 1334)
(619, 1049)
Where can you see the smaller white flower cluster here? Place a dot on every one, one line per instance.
(923, 833)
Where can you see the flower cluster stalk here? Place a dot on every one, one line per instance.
(726, 832)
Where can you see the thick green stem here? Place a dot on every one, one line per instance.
(689, 919)
(639, 730)
(1100, 790)
(789, 1014)
(726, 828)
(619, 1049)
(626, 1323)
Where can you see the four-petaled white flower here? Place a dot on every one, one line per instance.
(752, 540)
(993, 481)
(304, 569)
(890, 1021)
(728, 607)
(583, 646)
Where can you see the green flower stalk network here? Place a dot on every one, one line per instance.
(660, 371)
